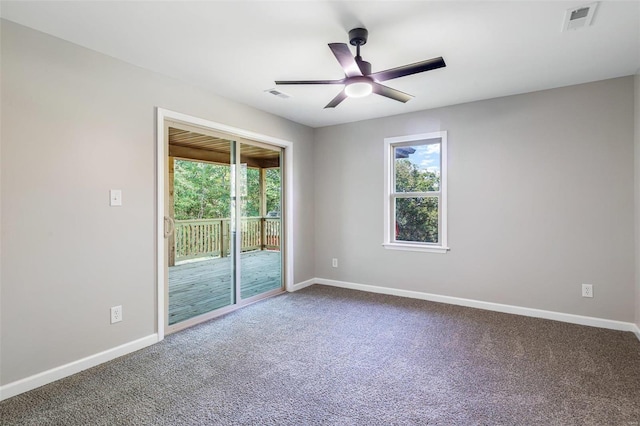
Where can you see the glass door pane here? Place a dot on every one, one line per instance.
(260, 220)
(201, 249)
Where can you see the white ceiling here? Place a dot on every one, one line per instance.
(238, 48)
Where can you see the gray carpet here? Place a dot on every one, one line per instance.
(325, 355)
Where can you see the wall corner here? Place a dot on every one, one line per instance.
(636, 156)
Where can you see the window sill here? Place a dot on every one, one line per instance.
(415, 247)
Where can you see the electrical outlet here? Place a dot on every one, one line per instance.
(334, 262)
(116, 314)
(587, 290)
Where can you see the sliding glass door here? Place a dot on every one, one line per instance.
(224, 245)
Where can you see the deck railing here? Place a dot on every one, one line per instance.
(210, 237)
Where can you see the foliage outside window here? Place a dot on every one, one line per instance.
(203, 190)
(415, 192)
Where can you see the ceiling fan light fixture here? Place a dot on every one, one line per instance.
(358, 87)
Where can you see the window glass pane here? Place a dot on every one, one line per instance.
(417, 219)
(250, 191)
(417, 168)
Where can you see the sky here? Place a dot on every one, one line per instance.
(427, 157)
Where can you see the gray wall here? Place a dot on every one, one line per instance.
(637, 184)
(75, 124)
(541, 199)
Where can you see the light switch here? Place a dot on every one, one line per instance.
(115, 197)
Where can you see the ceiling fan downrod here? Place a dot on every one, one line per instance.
(358, 37)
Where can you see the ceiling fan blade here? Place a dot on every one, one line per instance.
(346, 59)
(388, 92)
(429, 64)
(336, 101)
(311, 82)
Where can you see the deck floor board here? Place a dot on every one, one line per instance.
(199, 287)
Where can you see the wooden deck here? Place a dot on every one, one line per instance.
(202, 286)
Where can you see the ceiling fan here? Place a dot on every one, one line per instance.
(359, 81)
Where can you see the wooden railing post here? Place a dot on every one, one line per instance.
(224, 237)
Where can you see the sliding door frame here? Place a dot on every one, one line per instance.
(162, 147)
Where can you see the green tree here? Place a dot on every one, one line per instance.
(251, 199)
(203, 190)
(416, 217)
(273, 190)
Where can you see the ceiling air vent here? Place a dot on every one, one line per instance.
(278, 93)
(579, 17)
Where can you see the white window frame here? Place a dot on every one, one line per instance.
(390, 195)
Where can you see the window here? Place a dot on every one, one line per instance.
(415, 200)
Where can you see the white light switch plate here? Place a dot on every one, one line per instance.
(115, 197)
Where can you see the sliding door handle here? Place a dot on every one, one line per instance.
(169, 226)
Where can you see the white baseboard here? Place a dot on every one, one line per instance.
(497, 307)
(636, 330)
(302, 285)
(57, 373)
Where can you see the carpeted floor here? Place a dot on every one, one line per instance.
(326, 355)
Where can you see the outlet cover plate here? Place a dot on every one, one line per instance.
(116, 314)
(587, 290)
